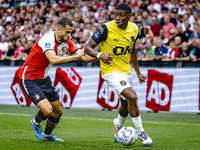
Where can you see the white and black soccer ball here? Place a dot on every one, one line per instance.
(127, 135)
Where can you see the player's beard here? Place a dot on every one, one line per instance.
(62, 38)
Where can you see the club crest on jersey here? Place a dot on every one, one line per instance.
(62, 49)
(96, 35)
(37, 97)
(47, 45)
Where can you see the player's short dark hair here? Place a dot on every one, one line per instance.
(124, 6)
(64, 21)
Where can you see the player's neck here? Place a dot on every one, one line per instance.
(58, 40)
(125, 26)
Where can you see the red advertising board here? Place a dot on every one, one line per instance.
(159, 90)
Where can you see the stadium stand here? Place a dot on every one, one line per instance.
(25, 21)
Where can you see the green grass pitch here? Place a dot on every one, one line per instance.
(93, 129)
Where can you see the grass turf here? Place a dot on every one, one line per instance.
(93, 129)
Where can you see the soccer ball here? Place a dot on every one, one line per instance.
(127, 135)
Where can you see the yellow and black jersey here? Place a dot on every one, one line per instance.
(118, 42)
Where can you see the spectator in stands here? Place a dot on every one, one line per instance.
(140, 26)
(168, 26)
(30, 44)
(160, 50)
(27, 22)
(148, 33)
(185, 19)
(184, 53)
(23, 40)
(178, 41)
(181, 33)
(171, 19)
(155, 27)
(26, 51)
(149, 51)
(140, 49)
(48, 27)
(196, 53)
(18, 51)
(154, 5)
(31, 35)
(174, 13)
(195, 34)
(155, 14)
(20, 24)
(181, 10)
(193, 19)
(134, 6)
(162, 37)
(187, 31)
(11, 51)
(162, 13)
(193, 5)
(179, 19)
(173, 33)
(172, 53)
(3, 47)
(146, 19)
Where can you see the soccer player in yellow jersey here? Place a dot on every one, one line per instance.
(117, 43)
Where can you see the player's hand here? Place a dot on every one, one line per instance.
(106, 58)
(79, 53)
(141, 78)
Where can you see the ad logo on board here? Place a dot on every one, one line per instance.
(199, 90)
(67, 83)
(106, 96)
(159, 90)
(20, 95)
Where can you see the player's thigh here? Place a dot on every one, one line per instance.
(129, 93)
(45, 107)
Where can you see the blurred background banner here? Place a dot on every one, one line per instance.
(166, 89)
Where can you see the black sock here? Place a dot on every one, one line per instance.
(40, 117)
(51, 124)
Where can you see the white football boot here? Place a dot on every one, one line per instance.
(145, 139)
(117, 128)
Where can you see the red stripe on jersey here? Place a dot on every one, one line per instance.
(37, 61)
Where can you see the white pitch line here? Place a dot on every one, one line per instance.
(103, 119)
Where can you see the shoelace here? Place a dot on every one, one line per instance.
(144, 136)
(38, 127)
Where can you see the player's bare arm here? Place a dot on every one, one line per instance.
(87, 58)
(54, 59)
(89, 49)
(134, 61)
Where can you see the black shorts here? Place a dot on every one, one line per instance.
(40, 89)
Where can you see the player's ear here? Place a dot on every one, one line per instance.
(129, 16)
(58, 29)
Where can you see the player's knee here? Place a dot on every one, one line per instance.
(58, 113)
(47, 112)
(133, 99)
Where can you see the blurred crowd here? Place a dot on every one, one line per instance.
(168, 30)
